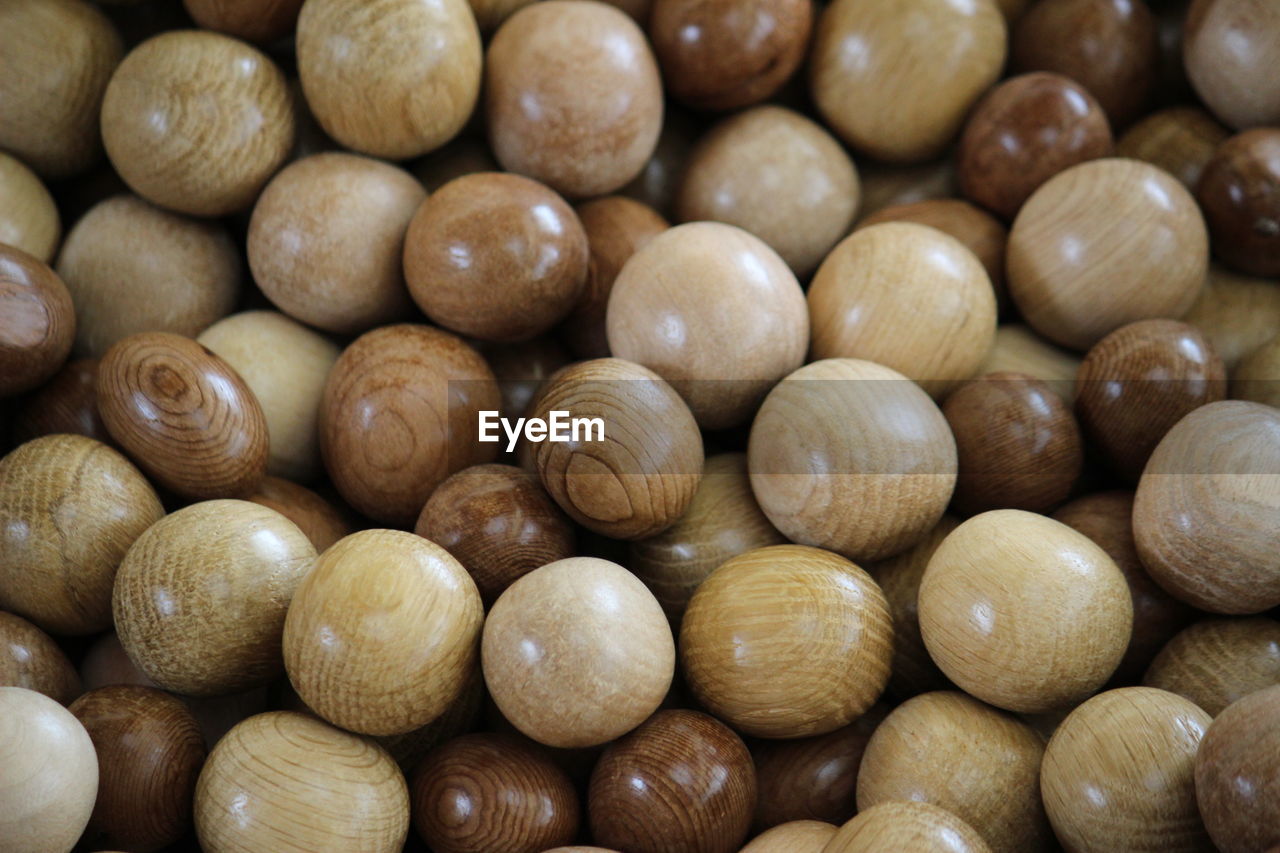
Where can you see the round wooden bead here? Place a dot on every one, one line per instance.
(900, 472)
(495, 256)
(150, 751)
(1206, 509)
(399, 415)
(70, 507)
(30, 658)
(894, 827)
(521, 368)
(382, 632)
(60, 55)
(1226, 46)
(294, 784)
(1238, 773)
(577, 653)
(1020, 350)
(681, 781)
(1180, 140)
(67, 402)
(1239, 193)
(491, 13)
(38, 323)
(734, 327)
(778, 175)
(885, 185)
(318, 519)
(251, 20)
(285, 365)
(465, 155)
(1217, 661)
(1257, 377)
(787, 641)
(1119, 772)
(1238, 313)
(659, 179)
(184, 414)
(326, 237)
(906, 296)
(1139, 381)
(28, 216)
(50, 773)
(1103, 244)
(463, 715)
(197, 122)
(572, 96)
(797, 836)
(1023, 612)
(1025, 131)
(871, 60)
(492, 793)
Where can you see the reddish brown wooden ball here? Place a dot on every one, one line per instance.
(1240, 194)
(37, 321)
(66, 402)
(1238, 774)
(252, 20)
(30, 658)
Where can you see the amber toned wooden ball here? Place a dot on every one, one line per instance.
(1239, 193)
(1217, 661)
(1019, 349)
(1238, 313)
(1206, 509)
(1180, 140)
(319, 520)
(521, 368)
(572, 96)
(577, 653)
(681, 781)
(1257, 377)
(38, 322)
(1103, 244)
(30, 658)
(787, 641)
(399, 415)
(1023, 612)
(326, 237)
(294, 784)
(894, 827)
(66, 402)
(250, 20)
(1237, 774)
(797, 836)
(70, 507)
(28, 216)
(1227, 46)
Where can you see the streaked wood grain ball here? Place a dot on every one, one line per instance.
(30, 658)
(894, 827)
(37, 323)
(1217, 661)
(29, 217)
(1238, 774)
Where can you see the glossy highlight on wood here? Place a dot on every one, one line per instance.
(1180, 140)
(1228, 47)
(30, 658)
(37, 321)
(318, 519)
(67, 402)
(29, 220)
(1238, 773)
(1239, 193)
(894, 827)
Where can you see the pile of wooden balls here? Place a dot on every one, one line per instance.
(936, 349)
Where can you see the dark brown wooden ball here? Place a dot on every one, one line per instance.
(1239, 193)
(30, 658)
(1238, 774)
(37, 321)
(67, 402)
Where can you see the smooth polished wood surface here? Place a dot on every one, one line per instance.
(318, 519)
(797, 836)
(70, 507)
(787, 641)
(1238, 772)
(577, 653)
(67, 402)
(251, 20)
(29, 219)
(1180, 140)
(894, 827)
(1257, 377)
(38, 322)
(1217, 661)
(1226, 47)
(1238, 313)
(30, 658)
(1239, 193)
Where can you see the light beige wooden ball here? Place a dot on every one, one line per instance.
(1018, 349)
(797, 836)
(1238, 313)
(28, 216)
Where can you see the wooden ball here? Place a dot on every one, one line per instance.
(1206, 509)
(894, 827)
(50, 773)
(577, 653)
(28, 216)
(1103, 244)
(291, 783)
(1237, 774)
(885, 185)
(465, 155)
(60, 55)
(70, 507)
(734, 327)
(30, 658)
(1217, 661)
(150, 751)
(797, 836)
(1020, 350)
(787, 641)
(1120, 770)
(572, 96)
(399, 415)
(325, 241)
(491, 13)
(1023, 612)
(1238, 313)
(461, 717)
(1257, 377)
(906, 296)
(1139, 381)
(659, 179)
(251, 20)
(776, 174)
(499, 523)
(1180, 140)
(38, 323)
(318, 519)
(1227, 46)
(1022, 133)
(1239, 193)
(895, 79)
(682, 781)
(492, 793)
(495, 256)
(382, 633)
(521, 368)
(67, 402)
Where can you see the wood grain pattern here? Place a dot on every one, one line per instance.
(29, 220)
(522, 368)
(797, 836)
(894, 827)
(37, 321)
(1257, 376)
(1237, 774)
(67, 402)
(1239, 193)
(251, 20)
(1019, 349)
(1238, 313)
(1217, 661)
(319, 520)
(1180, 140)
(1226, 46)
(30, 658)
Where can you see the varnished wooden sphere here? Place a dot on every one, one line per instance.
(197, 122)
(1239, 193)
(1119, 773)
(577, 653)
(778, 175)
(38, 323)
(797, 836)
(59, 56)
(28, 216)
(150, 751)
(50, 774)
(1237, 775)
(291, 783)
(1025, 131)
(1217, 661)
(1180, 140)
(66, 402)
(1206, 509)
(70, 507)
(894, 827)
(1238, 313)
(906, 296)
(1103, 244)
(462, 716)
(895, 79)
(30, 658)
(184, 415)
(1257, 377)
(572, 96)
(735, 326)
(681, 781)
(787, 641)
(495, 256)
(492, 793)
(318, 519)
(382, 632)
(1020, 350)
(980, 764)
(399, 415)
(1023, 612)
(1227, 47)
(326, 237)
(251, 20)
